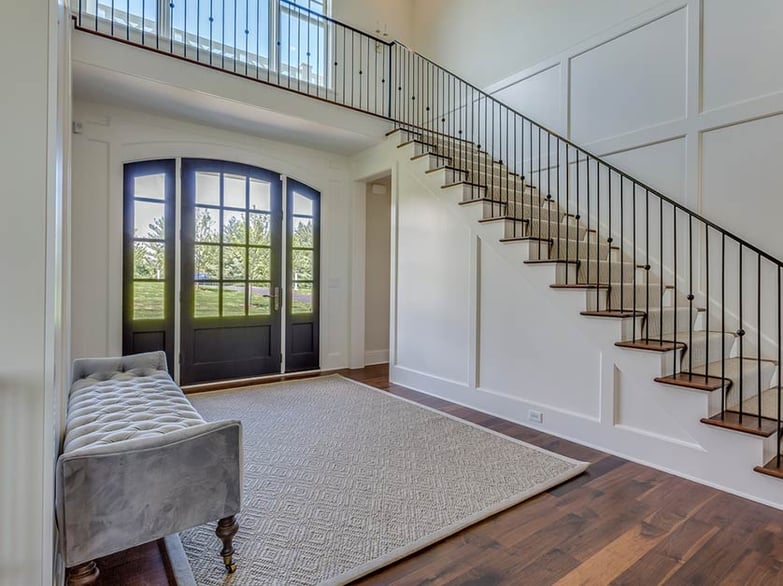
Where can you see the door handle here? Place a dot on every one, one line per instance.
(275, 297)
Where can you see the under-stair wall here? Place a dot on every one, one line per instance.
(474, 324)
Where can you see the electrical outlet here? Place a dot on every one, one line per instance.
(535, 416)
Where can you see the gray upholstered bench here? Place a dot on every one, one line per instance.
(139, 463)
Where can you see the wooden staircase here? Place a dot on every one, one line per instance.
(655, 316)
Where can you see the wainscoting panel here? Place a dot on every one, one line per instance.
(539, 96)
(661, 164)
(741, 180)
(742, 48)
(633, 81)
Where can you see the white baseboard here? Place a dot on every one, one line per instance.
(376, 357)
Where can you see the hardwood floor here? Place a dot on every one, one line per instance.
(619, 523)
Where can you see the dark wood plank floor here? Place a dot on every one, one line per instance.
(619, 523)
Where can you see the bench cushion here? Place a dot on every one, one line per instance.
(107, 406)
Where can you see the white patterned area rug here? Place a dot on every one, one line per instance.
(342, 479)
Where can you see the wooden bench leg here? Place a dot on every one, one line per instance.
(85, 574)
(226, 529)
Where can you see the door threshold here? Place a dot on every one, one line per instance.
(237, 383)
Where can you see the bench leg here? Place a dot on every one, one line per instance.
(85, 574)
(226, 529)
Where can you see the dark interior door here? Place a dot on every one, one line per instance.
(148, 258)
(231, 271)
(303, 205)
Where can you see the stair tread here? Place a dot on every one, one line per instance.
(771, 468)
(650, 344)
(729, 368)
(612, 313)
(732, 420)
(670, 342)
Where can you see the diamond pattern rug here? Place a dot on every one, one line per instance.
(341, 479)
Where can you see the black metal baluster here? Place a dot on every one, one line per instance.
(534, 218)
(589, 234)
(674, 243)
(597, 226)
(690, 296)
(578, 216)
(540, 186)
(741, 334)
(722, 324)
(622, 248)
(559, 248)
(758, 336)
(633, 260)
(361, 73)
(647, 266)
(661, 267)
(780, 362)
(707, 304)
(568, 208)
(610, 302)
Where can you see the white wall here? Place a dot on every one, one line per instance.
(392, 17)
(112, 136)
(377, 243)
(484, 42)
(31, 236)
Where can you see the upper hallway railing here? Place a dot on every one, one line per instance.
(686, 272)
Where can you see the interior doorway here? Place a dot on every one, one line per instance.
(377, 271)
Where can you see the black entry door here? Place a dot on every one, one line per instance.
(231, 271)
(148, 259)
(303, 267)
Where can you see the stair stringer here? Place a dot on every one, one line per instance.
(661, 428)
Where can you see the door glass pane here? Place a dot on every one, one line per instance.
(302, 236)
(208, 188)
(260, 303)
(206, 299)
(149, 300)
(234, 191)
(151, 186)
(234, 227)
(260, 233)
(148, 260)
(233, 299)
(302, 265)
(302, 298)
(207, 225)
(260, 264)
(149, 220)
(260, 196)
(234, 262)
(206, 262)
(303, 206)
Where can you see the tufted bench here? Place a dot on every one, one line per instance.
(139, 463)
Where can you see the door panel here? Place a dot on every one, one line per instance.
(303, 267)
(148, 258)
(231, 271)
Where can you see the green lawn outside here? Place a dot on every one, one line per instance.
(148, 301)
